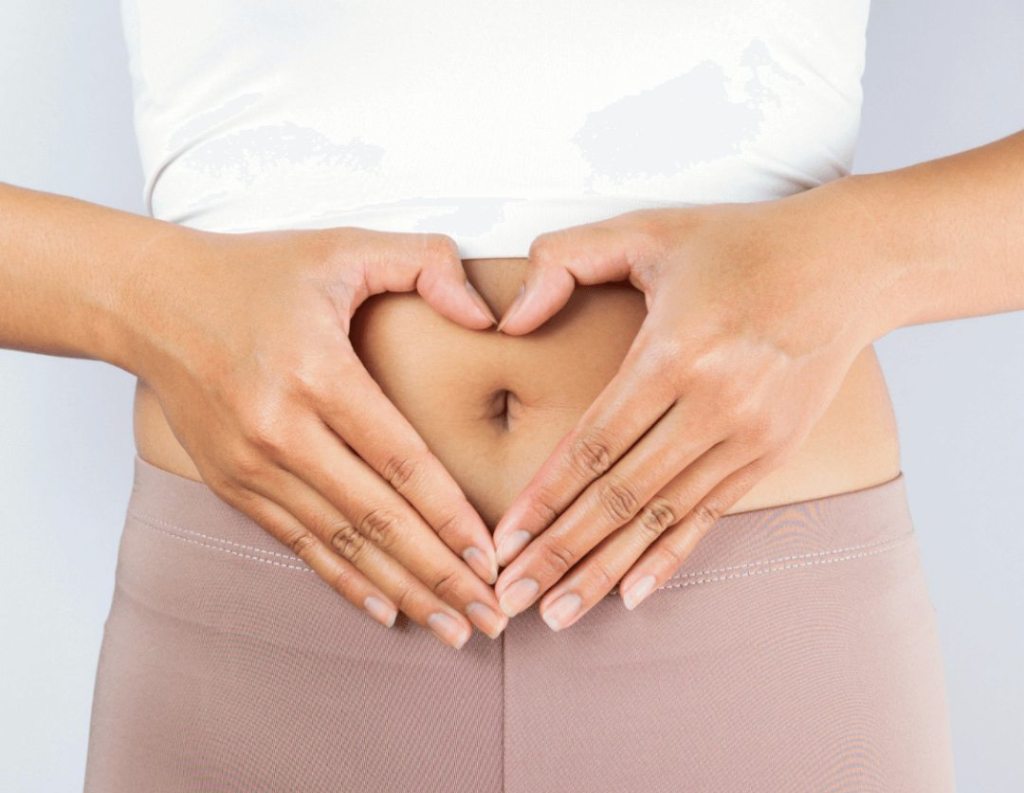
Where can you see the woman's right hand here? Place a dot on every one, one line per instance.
(245, 340)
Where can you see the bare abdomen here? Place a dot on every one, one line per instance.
(492, 407)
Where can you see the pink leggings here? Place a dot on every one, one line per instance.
(796, 650)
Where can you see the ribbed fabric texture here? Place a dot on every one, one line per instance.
(795, 650)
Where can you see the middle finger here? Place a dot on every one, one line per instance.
(679, 438)
(357, 410)
(318, 456)
(595, 575)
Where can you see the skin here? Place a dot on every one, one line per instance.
(755, 313)
(492, 406)
(234, 365)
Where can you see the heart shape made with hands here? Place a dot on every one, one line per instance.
(499, 404)
(491, 406)
(496, 405)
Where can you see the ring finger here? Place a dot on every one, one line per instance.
(341, 574)
(597, 573)
(361, 515)
(607, 504)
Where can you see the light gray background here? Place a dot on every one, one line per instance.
(942, 76)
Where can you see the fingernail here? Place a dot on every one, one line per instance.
(380, 610)
(558, 614)
(637, 591)
(448, 629)
(518, 596)
(481, 304)
(486, 619)
(511, 545)
(477, 559)
(514, 307)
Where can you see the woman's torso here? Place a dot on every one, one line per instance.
(492, 407)
(494, 122)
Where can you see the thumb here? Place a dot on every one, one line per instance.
(430, 264)
(442, 283)
(557, 261)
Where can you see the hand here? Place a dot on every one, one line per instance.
(245, 342)
(754, 318)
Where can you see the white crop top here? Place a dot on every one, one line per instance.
(487, 121)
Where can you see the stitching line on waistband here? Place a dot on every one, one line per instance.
(890, 543)
(147, 522)
(151, 520)
(674, 582)
(808, 555)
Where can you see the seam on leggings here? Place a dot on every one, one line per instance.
(151, 520)
(148, 524)
(697, 577)
(890, 545)
(504, 709)
(179, 528)
(808, 555)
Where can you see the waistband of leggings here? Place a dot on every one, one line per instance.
(814, 531)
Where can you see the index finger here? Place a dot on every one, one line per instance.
(359, 411)
(629, 405)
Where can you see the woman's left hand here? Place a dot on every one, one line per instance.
(755, 313)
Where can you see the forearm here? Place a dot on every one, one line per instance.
(939, 240)
(67, 268)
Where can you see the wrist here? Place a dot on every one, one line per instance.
(156, 283)
(862, 237)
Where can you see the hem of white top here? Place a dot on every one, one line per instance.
(482, 226)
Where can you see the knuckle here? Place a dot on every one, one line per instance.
(601, 574)
(347, 541)
(302, 544)
(343, 579)
(590, 454)
(658, 358)
(329, 392)
(446, 527)
(543, 506)
(764, 430)
(727, 398)
(618, 499)
(705, 365)
(440, 248)
(744, 410)
(673, 559)
(705, 514)
(404, 598)
(305, 382)
(649, 237)
(726, 422)
(262, 428)
(346, 367)
(657, 516)
(681, 372)
(399, 470)
(542, 248)
(226, 484)
(269, 444)
(320, 522)
(559, 557)
(445, 585)
(379, 526)
(246, 466)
